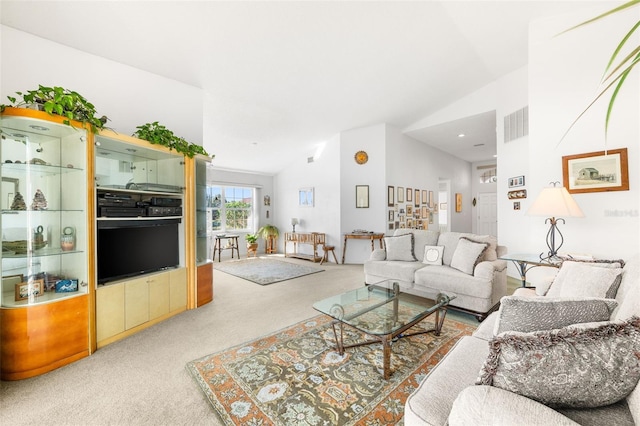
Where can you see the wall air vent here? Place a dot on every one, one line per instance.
(309, 159)
(516, 124)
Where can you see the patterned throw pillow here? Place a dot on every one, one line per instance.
(467, 254)
(525, 314)
(400, 248)
(433, 255)
(583, 366)
(578, 279)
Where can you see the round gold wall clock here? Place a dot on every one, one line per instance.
(361, 157)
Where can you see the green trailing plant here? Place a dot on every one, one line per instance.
(156, 133)
(268, 231)
(617, 69)
(251, 238)
(60, 101)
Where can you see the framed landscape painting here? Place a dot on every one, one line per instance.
(596, 171)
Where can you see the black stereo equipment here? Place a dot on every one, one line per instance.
(116, 202)
(164, 211)
(166, 202)
(121, 211)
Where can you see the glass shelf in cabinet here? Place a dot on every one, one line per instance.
(43, 252)
(44, 169)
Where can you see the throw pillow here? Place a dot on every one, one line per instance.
(400, 248)
(525, 314)
(467, 255)
(576, 367)
(579, 279)
(491, 252)
(433, 255)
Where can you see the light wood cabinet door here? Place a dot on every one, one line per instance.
(136, 302)
(178, 289)
(158, 295)
(109, 311)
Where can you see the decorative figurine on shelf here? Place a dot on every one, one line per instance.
(39, 202)
(18, 202)
(68, 238)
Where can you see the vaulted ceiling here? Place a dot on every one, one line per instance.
(282, 77)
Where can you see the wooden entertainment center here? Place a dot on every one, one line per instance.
(53, 310)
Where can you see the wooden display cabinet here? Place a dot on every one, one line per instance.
(45, 297)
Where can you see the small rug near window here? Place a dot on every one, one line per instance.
(294, 376)
(265, 271)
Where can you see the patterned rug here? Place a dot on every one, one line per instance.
(265, 271)
(294, 377)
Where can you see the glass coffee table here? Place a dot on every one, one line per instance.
(383, 312)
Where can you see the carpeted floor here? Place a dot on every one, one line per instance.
(294, 376)
(264, 270)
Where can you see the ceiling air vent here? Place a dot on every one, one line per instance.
(516, 124)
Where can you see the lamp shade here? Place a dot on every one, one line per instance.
(294, 221)
(555, 202)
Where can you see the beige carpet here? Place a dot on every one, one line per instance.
(142, 380)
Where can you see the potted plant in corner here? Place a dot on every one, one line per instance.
(252, 244)
(270, 234)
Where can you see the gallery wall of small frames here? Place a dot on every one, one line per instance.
(516, 194)
(410, 208)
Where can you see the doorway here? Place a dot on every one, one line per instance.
(444, 212)
(488, 213)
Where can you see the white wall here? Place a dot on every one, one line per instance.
(563, 78)
(372, 141)
(413, 164)
(323, 174)
(128, 96)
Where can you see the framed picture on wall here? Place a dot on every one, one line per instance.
(596, 171)
(432, 201)
(305, 197)
(417, 197)
(425, 196)
(390, 196)
(362, 196)
(400, 194)
(409, 195)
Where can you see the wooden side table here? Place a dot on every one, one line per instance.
(233, 239)
(361, 236)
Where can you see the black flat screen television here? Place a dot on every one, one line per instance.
(127, 248)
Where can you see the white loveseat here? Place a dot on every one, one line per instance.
(478, 285)
(449, 394)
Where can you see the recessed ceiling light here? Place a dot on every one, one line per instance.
(35, 127)
(479, 144)
(131, 149)
(461, 135)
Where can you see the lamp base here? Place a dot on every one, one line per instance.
(552, 255)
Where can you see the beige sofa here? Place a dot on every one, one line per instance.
(478, 290)
(449, 395)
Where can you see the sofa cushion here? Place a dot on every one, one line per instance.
(431, 402)
(577, 279)
(449, 240)
(467, 255)
(392, 270)
(433, 255)
(491, 252)
(446, 279)
(487, 405)
(527, 314)
(421, 238)
(400, 248)
(576, 366)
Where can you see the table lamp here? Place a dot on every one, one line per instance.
(294, 222)
(554, 201)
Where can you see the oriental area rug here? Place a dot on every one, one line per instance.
(295, 377)
(265, 271)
